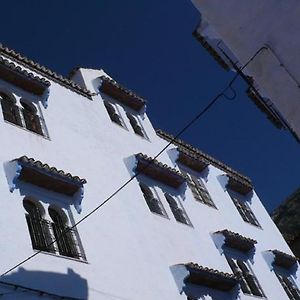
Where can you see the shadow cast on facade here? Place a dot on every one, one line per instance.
(24, 284)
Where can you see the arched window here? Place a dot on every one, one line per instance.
(31, 118)
(10, 110)
(153, 203)
(135, 126)
(64, 235)
(39, 228)
(114, 116)
(178, 212)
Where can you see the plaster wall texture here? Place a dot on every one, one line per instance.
(130, 251)
(245, 27)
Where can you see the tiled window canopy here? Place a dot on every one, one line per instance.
(238, 184)
(210, 278)
(284, 260)
(42, 175)
(191, 160)
(29, 82)
(237, 181)
(158, 171)
(237, 241)
(125, 96)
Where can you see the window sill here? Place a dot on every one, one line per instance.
(159, 215)
(62, 256)
(25, 129)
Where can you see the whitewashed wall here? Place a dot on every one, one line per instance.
(129, 249)
(245, 27)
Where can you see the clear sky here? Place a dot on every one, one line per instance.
(148, 47)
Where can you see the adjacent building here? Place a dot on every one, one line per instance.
(185, 226)
(263, 35)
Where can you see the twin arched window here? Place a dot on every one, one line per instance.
(25, 116)
(51, 236)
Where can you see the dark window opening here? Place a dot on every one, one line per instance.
(248, 281)
(244, 210)
(39, 228)
(10, 110)
(153, 203)
(135, 126)
(289, 286)
(198, 189)
(32, 120)
(177, 211)
(64, 235)
(114, 116)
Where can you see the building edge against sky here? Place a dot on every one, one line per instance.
(266, 31)
(188, 227)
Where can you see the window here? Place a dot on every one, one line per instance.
(178, 211)
(10, 110)
(64, 235)
(39, 228)
(22, 113)
(248, 281)
(32, 120)
(113, 114)
(289, 286)
(153, 203)
(243, 208)
(198, 189)
(50, 232)
(135, 126)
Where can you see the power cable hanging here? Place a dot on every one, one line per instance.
(188, 125)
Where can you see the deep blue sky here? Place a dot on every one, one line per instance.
(148, 47)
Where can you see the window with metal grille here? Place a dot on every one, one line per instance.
(113, 114)
(53, 236)
(64, 235)
(243, 208)
(248, 281)
(31, 118)
(177, 210)
(289, 286)
(198, 189)
(10, 110)
(39, 228)
(135, 125)
(153, 203)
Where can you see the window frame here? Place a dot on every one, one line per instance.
(22, 114)
(241, 204)
(197, 186)
(239, 263)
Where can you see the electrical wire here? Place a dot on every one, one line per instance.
(187, 126)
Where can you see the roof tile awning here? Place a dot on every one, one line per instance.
(210, 278)
(158, 171)
(50, 178)
(237, 241)
(191, 160)
(238, 184)
(284, 260)
(116, 91)
(27, 81)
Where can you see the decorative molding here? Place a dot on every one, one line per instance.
(158, 171)
(118, 92)
(196, 153)
(284, 260)
(210, 278)
(237, 241)
(24, 61)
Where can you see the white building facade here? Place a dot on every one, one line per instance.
(186, 227)
(235, 31)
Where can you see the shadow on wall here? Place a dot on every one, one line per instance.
(32, 285)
